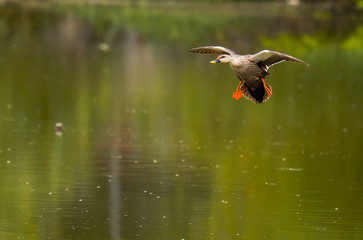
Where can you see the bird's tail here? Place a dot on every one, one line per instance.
(259, 95)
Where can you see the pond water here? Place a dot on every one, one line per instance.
(151, 143)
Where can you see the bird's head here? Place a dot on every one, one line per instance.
(224, 58)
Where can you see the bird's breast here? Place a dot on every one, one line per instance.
(247, 71)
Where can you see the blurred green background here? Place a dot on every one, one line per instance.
(153, 146)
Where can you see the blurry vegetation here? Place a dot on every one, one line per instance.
(194, 23)
(359, 3)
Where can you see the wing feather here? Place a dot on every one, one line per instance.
(212, 50)
(269, 58)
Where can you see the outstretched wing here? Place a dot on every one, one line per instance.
(212, 50)
(267, 58)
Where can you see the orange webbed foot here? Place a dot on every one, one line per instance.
(237, 94)
(266, 88)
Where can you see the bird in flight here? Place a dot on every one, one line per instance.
(251, 70)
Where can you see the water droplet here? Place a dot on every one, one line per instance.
(271, 183)
(58, 128)
(104, 47)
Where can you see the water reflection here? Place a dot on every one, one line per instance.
(154, 147)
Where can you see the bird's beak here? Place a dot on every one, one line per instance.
(215, 61)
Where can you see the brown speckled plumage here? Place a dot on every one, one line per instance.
(250, 69)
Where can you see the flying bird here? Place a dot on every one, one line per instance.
(251, 70)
